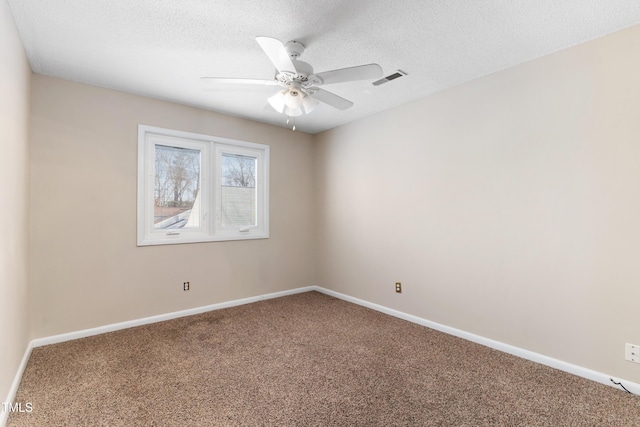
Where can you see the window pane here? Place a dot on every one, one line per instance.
(238, 197)
(177, 188)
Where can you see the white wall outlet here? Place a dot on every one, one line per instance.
(632, 352)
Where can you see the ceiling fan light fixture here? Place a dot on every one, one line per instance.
(292, 102)
(293, 98)
(277, 101)
(309, 104)
(293, 112)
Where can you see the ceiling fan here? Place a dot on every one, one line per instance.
(301, 93)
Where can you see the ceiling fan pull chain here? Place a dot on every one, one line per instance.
(292, 119)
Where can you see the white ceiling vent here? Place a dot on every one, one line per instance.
(398, 73)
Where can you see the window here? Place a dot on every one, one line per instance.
(199, 188)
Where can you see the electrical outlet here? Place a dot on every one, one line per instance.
(632, 352)
(185, 286)
(398, 287)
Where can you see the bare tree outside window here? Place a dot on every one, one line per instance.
(177, 184)
(238, 171)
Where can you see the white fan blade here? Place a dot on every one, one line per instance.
(330, 98)
(361, 72)
(225, 80)
(277, 54)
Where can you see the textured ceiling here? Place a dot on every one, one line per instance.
(161, 48)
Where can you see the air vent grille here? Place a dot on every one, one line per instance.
(398, 73)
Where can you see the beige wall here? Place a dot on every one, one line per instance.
(508, 207)
(86, 270)
(14, 173)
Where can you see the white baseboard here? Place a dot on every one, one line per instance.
(506, 348)
(526, 354)
(4, 415)
(162, 317)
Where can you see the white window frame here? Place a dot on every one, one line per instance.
(211, 149)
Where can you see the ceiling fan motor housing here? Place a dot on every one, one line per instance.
(299, 75)
(303, 69)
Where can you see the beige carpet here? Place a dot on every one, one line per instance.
(303, 360)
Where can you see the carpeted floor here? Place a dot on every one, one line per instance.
(302, 360)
